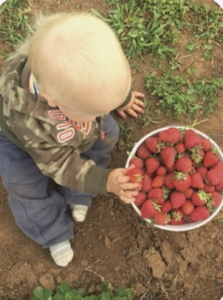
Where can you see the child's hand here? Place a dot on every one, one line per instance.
(119, 184)
(134, 107)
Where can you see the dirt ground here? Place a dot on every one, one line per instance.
(114, 244)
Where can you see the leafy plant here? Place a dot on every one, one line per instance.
(14, 15)
(178, 96)
(64, 292)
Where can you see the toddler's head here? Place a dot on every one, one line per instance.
(79, 65)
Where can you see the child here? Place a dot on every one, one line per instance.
(57, 92)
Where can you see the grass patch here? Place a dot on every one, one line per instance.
(178, 96)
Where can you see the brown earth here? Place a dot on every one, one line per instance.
(114, 244)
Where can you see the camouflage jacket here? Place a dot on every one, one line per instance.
(53, 142)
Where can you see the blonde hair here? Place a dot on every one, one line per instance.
(76, 55)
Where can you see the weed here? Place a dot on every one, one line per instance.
(178, 96)
(64, 292)
(14, 16)
(126, 134)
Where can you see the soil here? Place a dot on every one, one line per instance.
(113, 244)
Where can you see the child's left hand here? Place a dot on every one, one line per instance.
(134, 107)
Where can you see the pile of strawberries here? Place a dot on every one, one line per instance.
(180, 175)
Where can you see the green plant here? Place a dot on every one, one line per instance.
(14, 16)
(64, 292)
(178, 96)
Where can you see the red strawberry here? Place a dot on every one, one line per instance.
(177, 199)
(152, 143)
(168, 181)
(161, 218)
(208, 188)
(216, 199)
(146, 183)
(218, 166)
(152, 164)
(157, 181)
(188, 193)
(214, 177)
(184, 164)
(171, 135)
(143, 152)
(191, 139)
(149, 209)
(219, 187)
(157, 194)
(196, 181)
(168, 155)
(166, 207)
(177, 217)
(135, 175)
(200, 198)
(137, 162)
(160, 171)
(140, 199)
(181, 181)
(210, 158)
(200, 213)
(197, 154)
(206, 145)
(180, 147)
(187, 207)
(202, 171)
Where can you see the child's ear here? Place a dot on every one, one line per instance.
(50, 101)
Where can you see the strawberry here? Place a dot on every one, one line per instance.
(149, 209)
(216, 199)
(152, 164)
(214, 177)
(200, 198)
(218, 166)
(184, 164)
(188, 193)
(177, 199)
(191, 139)
(168, 180)
(208, 188)
(143, 152)
(180, 147)
(168, 155)
(157, 181)
(197, 154)
(187, 207)
(140, 199)
(146, 183)
(171, 135)
(161, 218)
(203, 171)
(181, 181)
(200, 213)
(157, 194)
(137, 162)
(160, 171)
(153, 144)
(135, 175)
(219, 187)
(206, 145)
(166, 207)
(177, 217)
(210, 158)
(196, 181)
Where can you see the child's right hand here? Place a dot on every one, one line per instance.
(119, 183)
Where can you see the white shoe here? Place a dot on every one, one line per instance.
(62, 253)
(79, 212)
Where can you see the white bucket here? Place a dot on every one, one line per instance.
(181, 227)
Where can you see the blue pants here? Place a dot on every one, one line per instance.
(41, 211)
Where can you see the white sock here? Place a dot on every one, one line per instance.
(79, 212)
(62, 253)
